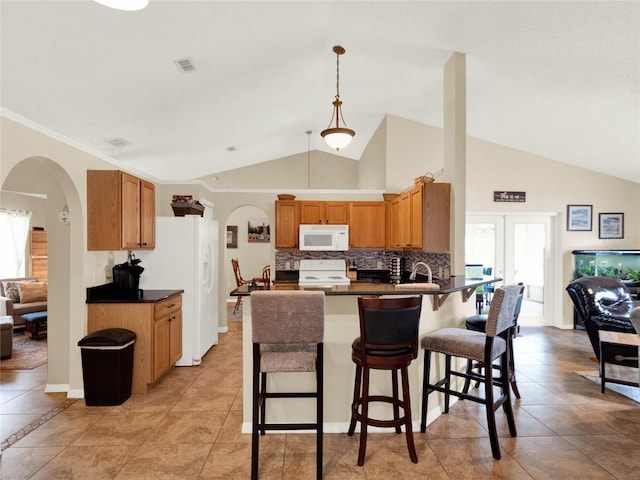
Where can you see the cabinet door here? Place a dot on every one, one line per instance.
(405, 220)
(161, 346)
(147, 215)
(437, 217)
(130, 212)
(311, 212)
(175, 337)
(287, 222)
(367, 227)
(393, 223)
(336, 213)
(415, 198)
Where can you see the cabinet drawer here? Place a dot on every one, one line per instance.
(167, 306)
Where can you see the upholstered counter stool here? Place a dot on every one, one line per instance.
(482, 347)
(288, 337)
(6, 336)
(478, 323)
(388, 341)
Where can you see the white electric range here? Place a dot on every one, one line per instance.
(315, 273)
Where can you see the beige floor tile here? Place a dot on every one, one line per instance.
(200, 399)
(183, 428)
(552, 457)
(62, 430)
(81, 463)
(23, 463)
(617, 454)
(572, 420)
(34, 402)
(22, 380)
(10, 424)
(130, 429)
(166, 462)
(233, 461)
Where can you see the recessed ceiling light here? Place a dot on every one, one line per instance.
(129, 5)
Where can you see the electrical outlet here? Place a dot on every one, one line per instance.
(379, 264)
(287, 265)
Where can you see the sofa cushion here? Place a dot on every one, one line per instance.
(33, 292)
(12, 289)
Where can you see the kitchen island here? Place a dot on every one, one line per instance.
(440, 309)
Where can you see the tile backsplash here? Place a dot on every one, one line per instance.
(367, 259)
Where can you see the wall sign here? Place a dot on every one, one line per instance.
(510, 197)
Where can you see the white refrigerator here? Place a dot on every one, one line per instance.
(186, 257)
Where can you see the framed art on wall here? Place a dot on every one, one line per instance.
(579, 218)
(232, 236)
(611, 225)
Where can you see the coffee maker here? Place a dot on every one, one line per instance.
(396, 269)
(126, 277)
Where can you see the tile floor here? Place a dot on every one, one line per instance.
(188, 427)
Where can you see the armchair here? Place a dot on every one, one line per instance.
(604, 304)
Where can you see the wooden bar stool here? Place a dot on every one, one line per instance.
(288, 336)
(388, 341)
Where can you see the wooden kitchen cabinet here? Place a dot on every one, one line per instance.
(167, 336)
(120, 211)
(420, 218)
(158, 329)
(324, 212)
(287, 223)
(393, 224)
(367, 225)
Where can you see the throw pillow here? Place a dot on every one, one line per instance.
(33, 292)
(12, 290)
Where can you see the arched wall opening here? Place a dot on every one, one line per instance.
(65, 300)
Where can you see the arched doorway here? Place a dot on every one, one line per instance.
(65, 304)
(252, 253)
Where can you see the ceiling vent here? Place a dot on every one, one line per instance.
(185, 65)
(118, 142)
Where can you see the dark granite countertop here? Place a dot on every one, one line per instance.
(110, 293)
(453, 284)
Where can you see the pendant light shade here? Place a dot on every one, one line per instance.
(129, 5)
(337, 137)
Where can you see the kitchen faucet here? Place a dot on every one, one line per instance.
(412, 277)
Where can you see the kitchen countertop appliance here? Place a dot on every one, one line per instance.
(397, 267)
(315, 273)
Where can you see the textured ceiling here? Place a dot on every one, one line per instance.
(557, 79)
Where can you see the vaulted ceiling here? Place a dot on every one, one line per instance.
(557, 79)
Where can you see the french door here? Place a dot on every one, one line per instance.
(519, 249)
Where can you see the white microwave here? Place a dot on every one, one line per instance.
(324, 237)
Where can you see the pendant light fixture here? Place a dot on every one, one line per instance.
(129, 5)
(337, 137)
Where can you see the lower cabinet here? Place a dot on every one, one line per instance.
(158, 328)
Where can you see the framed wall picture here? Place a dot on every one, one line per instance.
(259, 230)
(579, 218)
(232, 236)
(611, 225)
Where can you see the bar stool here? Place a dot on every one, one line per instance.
(388, 341)
(287, 336)
(481, 347)
(478, 323)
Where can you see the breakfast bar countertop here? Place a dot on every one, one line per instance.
(467, 286)
(451, 285)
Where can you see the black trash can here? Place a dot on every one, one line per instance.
(107, 366)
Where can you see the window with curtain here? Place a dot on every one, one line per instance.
(14, 230)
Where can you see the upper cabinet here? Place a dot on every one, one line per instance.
(367, 224)
(420, 218)
(324, 212)
(287, 222)
(120, 211)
